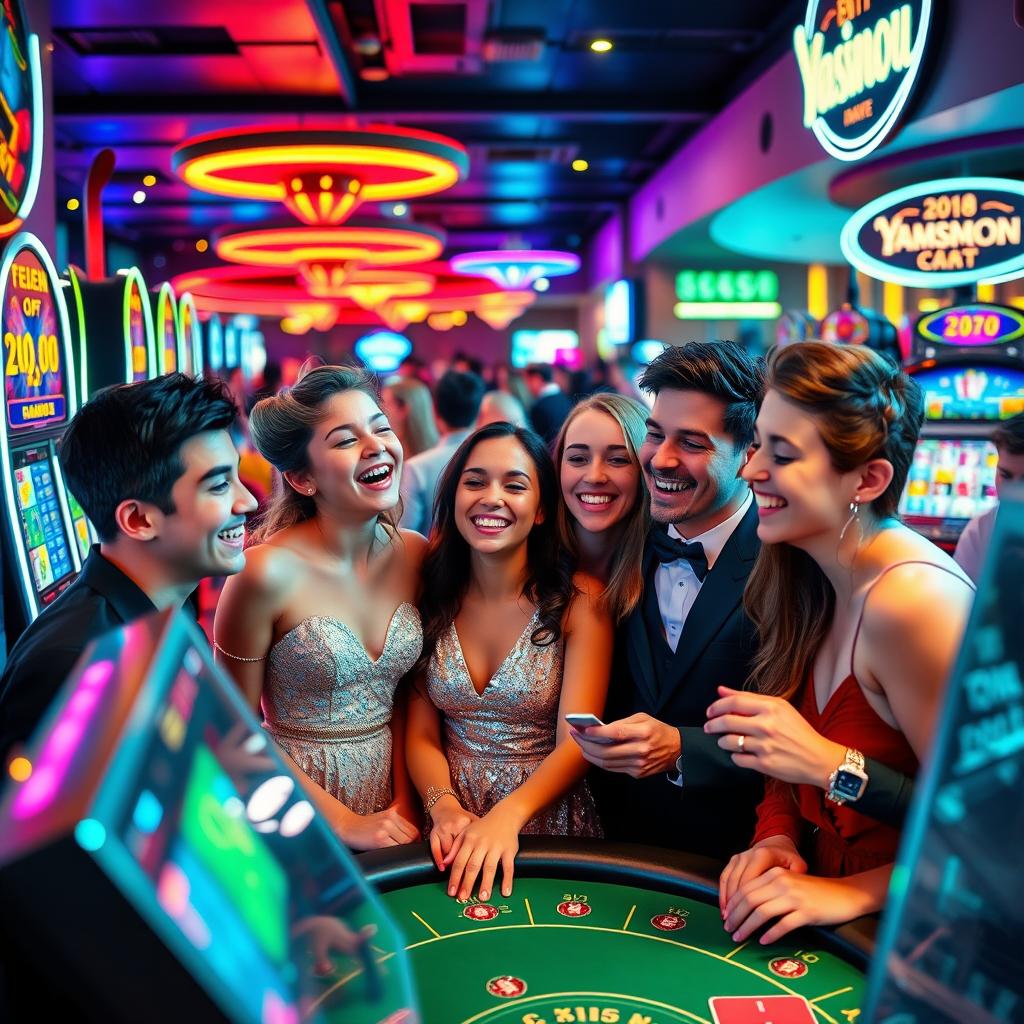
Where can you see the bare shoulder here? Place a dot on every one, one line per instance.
(916, 598)
(415, 544)
(588, 586)
(270, 568)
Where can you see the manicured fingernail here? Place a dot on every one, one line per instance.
(451, 892)
(735, 934)
(506, 892)
(484, 894)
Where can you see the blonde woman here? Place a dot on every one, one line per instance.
(410, 411)
(603, 515)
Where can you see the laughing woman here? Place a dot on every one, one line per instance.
(512, 643)
(603, 515)
(859, 620)
(322, 625)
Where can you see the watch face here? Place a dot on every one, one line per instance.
(847, 785)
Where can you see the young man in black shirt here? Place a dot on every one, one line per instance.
(154, 467)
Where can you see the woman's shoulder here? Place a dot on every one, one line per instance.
(588, 586)
(271, 565)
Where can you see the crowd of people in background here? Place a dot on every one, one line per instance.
(480, 602)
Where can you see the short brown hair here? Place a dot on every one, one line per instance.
(1009, 435)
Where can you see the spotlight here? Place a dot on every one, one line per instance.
(580, 165)
(149, 180)
(139, 197)
(601, 45)
(73, 204)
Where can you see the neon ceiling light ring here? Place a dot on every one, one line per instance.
(1007, 270)
(133, 277)
(516, 268)
(380, 245)
(36, 161)
(431, 163)
(861, 145)
(167, 304)
(20, 242)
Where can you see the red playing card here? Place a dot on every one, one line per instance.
(761, 1010)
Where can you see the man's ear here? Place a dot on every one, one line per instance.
(138, 520)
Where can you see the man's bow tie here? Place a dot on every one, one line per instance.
(668, 549)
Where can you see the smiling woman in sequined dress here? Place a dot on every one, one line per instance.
(322, 626)
(513, 641)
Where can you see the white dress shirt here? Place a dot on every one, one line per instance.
(676, 582)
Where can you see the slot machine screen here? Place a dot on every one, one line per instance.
(137, 327)
(983, 392)
(195, 820)
(951, 479)
(41, 519)
(80, 522)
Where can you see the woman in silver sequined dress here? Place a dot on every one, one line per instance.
(321, 626)
(512, 643)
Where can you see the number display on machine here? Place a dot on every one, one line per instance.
(972, 325)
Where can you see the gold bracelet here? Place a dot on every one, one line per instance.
(434, 793)
(235, 657)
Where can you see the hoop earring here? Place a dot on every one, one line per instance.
(854, 517)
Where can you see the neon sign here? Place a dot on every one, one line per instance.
(21, 117)
(940, 234)
(33, 325)
(190, 334)
(859, 61)
(167, 328)
(972, 325)
(383, 351)
(138, 325)
(727, 295)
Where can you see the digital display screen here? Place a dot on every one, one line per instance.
(951, 479)
(972, 326)
(80, 522)
(193, 817)
(42, 525)
(949, 946)
(34, 371)
(981, 392)
(136, 327)
(558, 347)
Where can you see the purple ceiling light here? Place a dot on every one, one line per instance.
(516, 269)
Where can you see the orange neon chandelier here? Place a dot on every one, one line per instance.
(364, 241)
(322, 175)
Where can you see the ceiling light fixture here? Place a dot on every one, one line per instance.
(601, 45)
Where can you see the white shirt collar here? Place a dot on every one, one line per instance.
(715, 539)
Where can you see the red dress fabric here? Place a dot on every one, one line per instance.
(841, 841)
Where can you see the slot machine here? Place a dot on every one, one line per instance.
(190, 332)
(969, 361)
(103, 354)
(167, 331)
(162, 863)
(43, 534)
(214, 345)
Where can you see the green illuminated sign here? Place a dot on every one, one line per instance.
(727, 295)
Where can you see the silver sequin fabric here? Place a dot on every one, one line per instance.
(328, 703)
(495, 740)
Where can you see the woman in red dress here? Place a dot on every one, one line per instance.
(859, 621)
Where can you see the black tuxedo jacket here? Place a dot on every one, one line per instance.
(548, 414)
(713, 812)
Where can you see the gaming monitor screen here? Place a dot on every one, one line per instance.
(41, 520)
(951, 479)
(196, 821)
(983, 392)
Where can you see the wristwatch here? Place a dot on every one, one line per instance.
(848, 782)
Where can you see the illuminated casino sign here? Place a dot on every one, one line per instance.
(859, 61)
(21, 117)
(138, 324)
(727, 295)
(34, 325)
(969, 326)
(167, 329)
(940, 234)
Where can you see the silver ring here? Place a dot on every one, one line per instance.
(740, 740)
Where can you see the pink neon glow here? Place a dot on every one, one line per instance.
(277, 1011)
(40, 789)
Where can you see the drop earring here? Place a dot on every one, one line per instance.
(854, 517)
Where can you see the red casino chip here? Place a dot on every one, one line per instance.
(668, 922)
(787, 967)
(506, 986)
(480, 912)
(573, 908)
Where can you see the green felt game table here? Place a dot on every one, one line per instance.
(608, 933)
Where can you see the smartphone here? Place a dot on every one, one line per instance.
(585, 721)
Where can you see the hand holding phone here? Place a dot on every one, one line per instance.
(585, 721)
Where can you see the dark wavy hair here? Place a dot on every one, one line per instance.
(446, 566)
(126, 441)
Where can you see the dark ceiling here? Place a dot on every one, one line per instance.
(516, 83)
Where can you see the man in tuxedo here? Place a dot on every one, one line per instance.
(663, 780)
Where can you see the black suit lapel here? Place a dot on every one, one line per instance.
(720, 595)
(640, 655)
